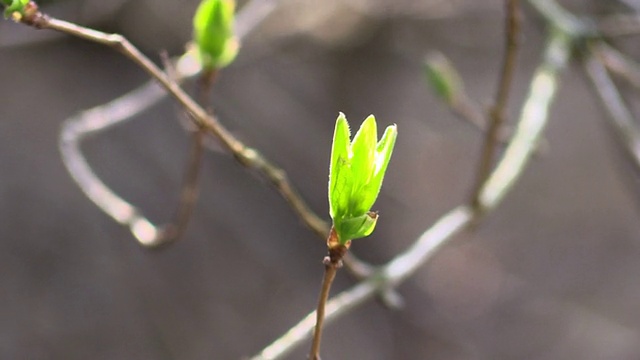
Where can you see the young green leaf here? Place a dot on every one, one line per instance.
(355, 176)
(362, 163)
(382, 157)
(339, 169)
(443, 77)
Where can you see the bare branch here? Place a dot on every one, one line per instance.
(496, 113)
(562, 19)
(618, 63)
(252, 14)
(77, 128)
(621, 119)
(118, 208)
(530, 127)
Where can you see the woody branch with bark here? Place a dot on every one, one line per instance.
(357, 167)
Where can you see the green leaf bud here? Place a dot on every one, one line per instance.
(442, 77)
(14, 8)
(355, 228)
(213, 33)
(355, 176)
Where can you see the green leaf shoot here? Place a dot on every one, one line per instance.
(355, 176)
(443, 77)
(338, 173)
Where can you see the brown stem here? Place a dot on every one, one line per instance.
(332, 262)
(496, 112)
(329, 274)
(190, 189)
(621, 119)
(247, 156)
(188, 196)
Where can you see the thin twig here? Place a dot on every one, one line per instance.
(529, 130)
(618, 63)
(251, 15)
(464, 107)
(446, 82)
(79, 127)
(332, 262)
(632, 4)
(496, 113)
(620, 25)
(469, 110)
(327, 280)
(621, 119)
(190, 188)
(562, 19)
(245, 155)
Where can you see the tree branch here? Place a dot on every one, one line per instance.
(496, 113)
(77, 128)
(618, 63)
(621, 119)
(529, 130)
(620, 25)
(119, 209)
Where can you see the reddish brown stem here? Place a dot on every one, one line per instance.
(497, 110)
(332, 262)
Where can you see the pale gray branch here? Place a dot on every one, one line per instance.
(563, 19)
(100, 118)
(621, 119)
(618, 63)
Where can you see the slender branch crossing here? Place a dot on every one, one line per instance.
(496, 113)
(530, 127)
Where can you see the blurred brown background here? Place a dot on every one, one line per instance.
(554, 273)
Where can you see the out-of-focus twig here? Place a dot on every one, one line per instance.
(469, 110)
(497, 110)
(633, 4)
(77, 128)
(562, 19)
(445, 80)
(530, 127)
(448, 85)
(622, 123)
(252, 14)
(618, 63)
(620, 25)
